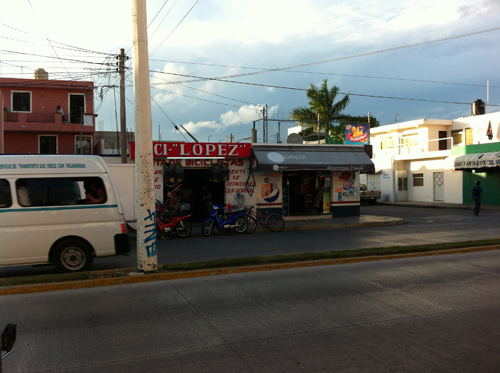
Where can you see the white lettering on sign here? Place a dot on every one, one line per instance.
(221, 149)
(209, 148)
(160, 149)
(233, 149)
(197, 149)
(182, 152)
(191, 150)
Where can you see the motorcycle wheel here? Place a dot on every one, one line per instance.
(241, 225)
(207, 228)
(183, 229)
(252, 224)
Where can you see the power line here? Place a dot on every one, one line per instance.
(175, 28)
(52, 41)
(343, 93)
(265, 71)
(59, 58)
(333, 74)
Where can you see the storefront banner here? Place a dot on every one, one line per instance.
(197, 150)
(357, 134)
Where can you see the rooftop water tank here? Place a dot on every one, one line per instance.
(478, 107)
(41, 74)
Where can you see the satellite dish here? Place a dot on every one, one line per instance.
(294, 138)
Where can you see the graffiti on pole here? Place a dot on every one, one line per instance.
(150, 234)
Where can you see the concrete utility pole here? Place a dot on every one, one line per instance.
(144, 185)
(123, 121)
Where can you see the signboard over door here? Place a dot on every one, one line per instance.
(174, 150)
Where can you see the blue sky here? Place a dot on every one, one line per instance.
(239, 40)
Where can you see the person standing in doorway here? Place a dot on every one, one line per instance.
(477, 194)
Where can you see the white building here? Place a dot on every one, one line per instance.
(414, 160)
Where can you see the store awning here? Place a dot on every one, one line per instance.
(478, 160)
(491, 159)
(467, 161)
(311, 158)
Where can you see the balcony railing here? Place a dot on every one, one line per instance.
(29, 117)
(41, 117)
(10, 117)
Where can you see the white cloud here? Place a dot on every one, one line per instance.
(244, 115)
(201, 126)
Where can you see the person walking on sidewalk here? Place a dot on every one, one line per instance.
(477, 194)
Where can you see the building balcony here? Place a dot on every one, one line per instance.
(43, 122)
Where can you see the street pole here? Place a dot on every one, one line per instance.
(318, 129)
(3, 128)
(399, 145)
(123, 121)
(144, 186)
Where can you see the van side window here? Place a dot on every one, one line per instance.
(5, 194)
(94, 190)
(47, 191)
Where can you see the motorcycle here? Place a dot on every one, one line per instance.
(221, 220)
(167, 223)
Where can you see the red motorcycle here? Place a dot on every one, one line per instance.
(167, 223)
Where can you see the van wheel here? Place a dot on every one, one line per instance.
(72, 255)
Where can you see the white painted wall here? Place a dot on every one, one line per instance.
(123, 176)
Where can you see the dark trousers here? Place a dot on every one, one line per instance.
(477, 201)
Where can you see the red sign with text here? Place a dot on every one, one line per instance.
(197, 150)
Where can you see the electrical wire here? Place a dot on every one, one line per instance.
(265, 71)
(166, 15)
(175, 126)
(333, 74)
(175, 28)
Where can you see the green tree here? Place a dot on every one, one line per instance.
(322, 110)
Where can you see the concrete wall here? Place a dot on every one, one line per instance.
(124, 178)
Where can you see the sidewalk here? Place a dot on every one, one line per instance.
(440, 205)
(302, 223)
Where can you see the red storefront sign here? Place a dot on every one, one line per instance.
(174, 150)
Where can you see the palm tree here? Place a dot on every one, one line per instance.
(322, 110)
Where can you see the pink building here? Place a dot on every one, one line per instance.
(30, 123)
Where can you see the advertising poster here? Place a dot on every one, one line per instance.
(344, 187)
(357, 134)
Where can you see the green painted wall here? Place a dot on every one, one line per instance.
(478, 148)
(490, 180)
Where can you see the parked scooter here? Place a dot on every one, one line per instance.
(167, 223)
(221, 220)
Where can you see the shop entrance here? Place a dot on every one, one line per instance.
(191, 191)
(306, 193)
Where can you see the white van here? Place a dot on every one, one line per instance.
(61, 209)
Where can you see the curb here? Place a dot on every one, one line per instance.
(130, 277)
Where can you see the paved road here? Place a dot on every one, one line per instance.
(436, 314)
(422, 226)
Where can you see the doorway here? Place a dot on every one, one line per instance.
(192, 190)
(438, 186)
(76, 108)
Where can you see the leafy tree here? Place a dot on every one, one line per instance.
(322, 109)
